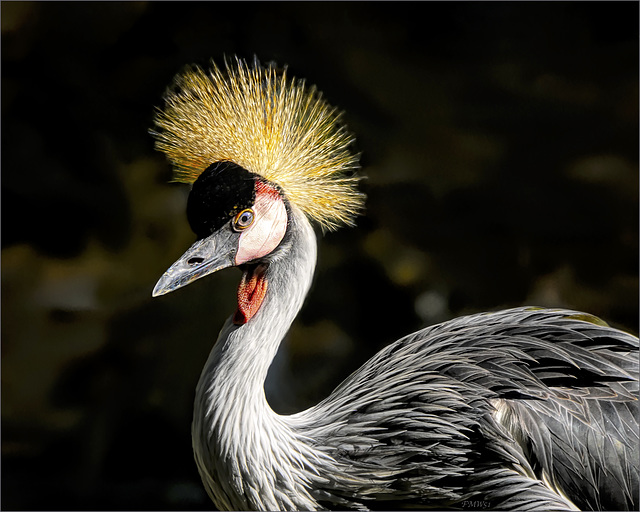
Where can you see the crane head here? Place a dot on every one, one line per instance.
(254, 144)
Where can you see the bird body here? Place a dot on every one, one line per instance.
(523, 409)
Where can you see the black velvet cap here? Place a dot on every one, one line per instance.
(220, 192)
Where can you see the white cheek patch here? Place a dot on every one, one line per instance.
(268, 228)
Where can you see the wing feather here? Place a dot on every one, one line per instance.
(527, 409)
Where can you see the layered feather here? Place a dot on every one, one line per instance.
(258, 118)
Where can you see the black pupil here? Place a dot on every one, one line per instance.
(245, 218)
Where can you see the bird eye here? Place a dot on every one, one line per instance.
(244, 219)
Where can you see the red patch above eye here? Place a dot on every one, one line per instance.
(264, 188)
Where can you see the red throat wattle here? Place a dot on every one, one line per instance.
(251, 293)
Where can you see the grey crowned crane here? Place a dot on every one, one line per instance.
(523, 409)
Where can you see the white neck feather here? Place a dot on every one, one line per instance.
(249, 456)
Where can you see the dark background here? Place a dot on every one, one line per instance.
(500, 141)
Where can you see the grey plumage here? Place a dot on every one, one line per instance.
(524, 409)
(519, 392)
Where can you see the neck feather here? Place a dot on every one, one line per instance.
(241, 445)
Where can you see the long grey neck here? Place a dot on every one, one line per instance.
(241, 445)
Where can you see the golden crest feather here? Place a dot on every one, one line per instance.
(275, 127)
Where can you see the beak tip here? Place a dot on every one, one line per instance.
(160, 288)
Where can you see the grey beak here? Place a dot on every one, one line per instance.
(205, 257)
